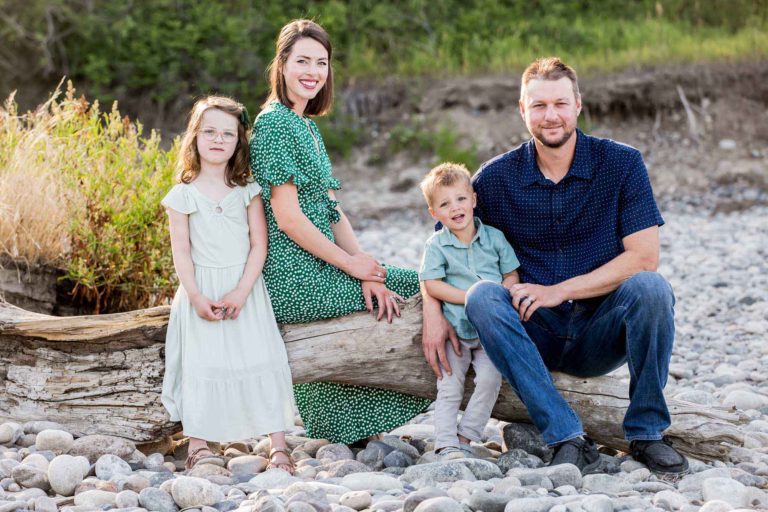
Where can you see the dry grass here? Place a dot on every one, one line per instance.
(80, 190)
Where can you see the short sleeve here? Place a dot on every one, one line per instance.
(432, 262)
(180, 200)
(274, 158)
(507, 258)
(250, 191)
(637, 206)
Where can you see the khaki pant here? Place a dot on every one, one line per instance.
(450, 391)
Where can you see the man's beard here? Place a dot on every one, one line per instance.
(556, 143)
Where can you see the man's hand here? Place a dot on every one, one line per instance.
(527, 298)
(435, 331)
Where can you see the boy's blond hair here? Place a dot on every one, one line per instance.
(444, 175)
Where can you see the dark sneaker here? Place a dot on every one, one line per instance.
(659, 456)
(579, 451)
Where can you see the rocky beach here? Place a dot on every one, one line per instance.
(716, 262)
(713, 195)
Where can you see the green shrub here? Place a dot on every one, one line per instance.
(104, 180)
(443, 144)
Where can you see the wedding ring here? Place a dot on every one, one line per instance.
(378, 274)
(393, 298)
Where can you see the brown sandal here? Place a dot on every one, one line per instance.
(195, 457)
(291, 466)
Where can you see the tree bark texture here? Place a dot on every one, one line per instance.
(103, 374)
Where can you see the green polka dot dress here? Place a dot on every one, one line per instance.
(304, 288)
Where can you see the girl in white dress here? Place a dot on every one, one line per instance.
(226, 374)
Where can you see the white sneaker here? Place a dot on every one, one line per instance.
(450, 453)
(469, 452)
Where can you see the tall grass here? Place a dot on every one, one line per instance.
(81, 191)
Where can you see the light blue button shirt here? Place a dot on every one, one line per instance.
(487, 257)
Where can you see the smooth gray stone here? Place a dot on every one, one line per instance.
(397, 459)
(127, 499)
(334, 452)
(517, 458)
(29, 476)
(156, 500)
(315, 499)
(439, 472)
(225, 506)
(55, 440)
(604, 484)
(109, 465)
(342, 468)
(608, 464)
(158, 478)
(373, 455)
(401, 446)
(94, 446)
(35, 427)
(488, 501)
(542, 504)
(442, 504)
(269, 504)
(415, 498)
(527, 438)
(562, 474)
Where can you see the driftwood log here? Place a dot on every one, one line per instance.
(103, 374)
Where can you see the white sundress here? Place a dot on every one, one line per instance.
(225, 380)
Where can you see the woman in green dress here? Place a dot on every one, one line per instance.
(315, 268)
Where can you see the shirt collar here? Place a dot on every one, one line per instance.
(581, 166)
(445, 237)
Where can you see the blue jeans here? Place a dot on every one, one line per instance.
(634, 324)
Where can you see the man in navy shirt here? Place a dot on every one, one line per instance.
(580, 213)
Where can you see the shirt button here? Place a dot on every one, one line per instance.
(218, 209)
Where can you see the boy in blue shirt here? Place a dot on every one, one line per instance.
(463, 252)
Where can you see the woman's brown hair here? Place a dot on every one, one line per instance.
(238, 170)
(289, 34)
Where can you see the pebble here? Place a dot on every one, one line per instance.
(371, 481)
(110, 465)
(188, 491)
(442, 504)
(94, 446)
(356, 500)
(720, 358)
(157, 500)
(95, 498)
(57, 441)
(10, 432)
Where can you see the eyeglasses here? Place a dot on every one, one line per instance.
(211, 134)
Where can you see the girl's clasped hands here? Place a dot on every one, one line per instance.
(228, 308)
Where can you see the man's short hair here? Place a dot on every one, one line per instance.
(444, 175)
(549, 68)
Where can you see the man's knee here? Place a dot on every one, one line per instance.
(650, 288)
(485, 297)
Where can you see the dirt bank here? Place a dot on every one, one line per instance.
(703, 129)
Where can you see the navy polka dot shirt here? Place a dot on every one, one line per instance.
(567, 229)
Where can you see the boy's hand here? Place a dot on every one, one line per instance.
(527, 298)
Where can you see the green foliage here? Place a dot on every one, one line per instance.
(340, 134)
(163, 53)
(105, 180)
(443, 144)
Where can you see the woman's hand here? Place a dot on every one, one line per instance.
(389, 301)
(206, 308)
(364, 267)
(233, 303)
